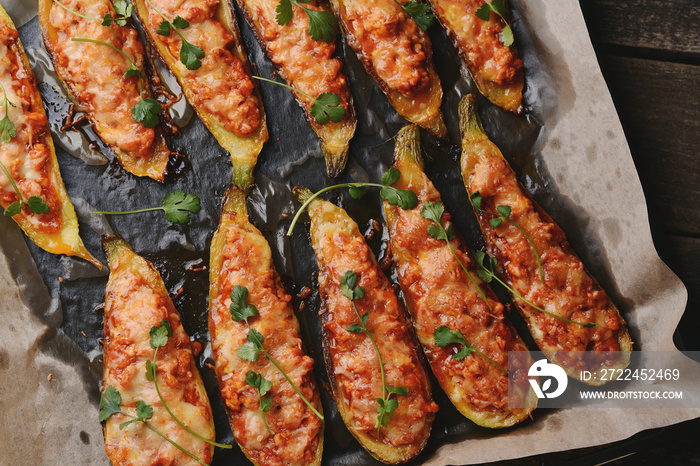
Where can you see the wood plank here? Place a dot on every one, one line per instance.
(659, 107)
(649, 24)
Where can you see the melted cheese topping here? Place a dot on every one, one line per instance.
(439, 293)
(134, 304)
(478, 40)
(95, 74)
(27, 156)
(245, 259)
(306, 64)
(390, 41)
(568, 290)
(353, 364)
(220, 87)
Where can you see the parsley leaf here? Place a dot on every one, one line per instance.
(180, 22)
(327, 107)
(160, 335)
(177, 206)
(386, 410)
(404, 198)
(123, 9)
(252, 348)
(146, 111)
(190, 55)
(357, 192)
(420, 12)
(444, 336)
(7, 129)
(350, 288)
(391, 176)
(109, 403)
(143, 410)
(239, 309)
(483, 12)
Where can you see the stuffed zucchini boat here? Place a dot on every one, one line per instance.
(569, 315)
(29, 172)
(376, 373)
(137, 307)
(312, 67)
(495, 68)
(200, 43)
(441, 296)
(398, 55)
(95, 76)
(286, 429)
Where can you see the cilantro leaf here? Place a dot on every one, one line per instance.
(256, 338)
(444, 336)
(349, 287)
(13, 209)
(483, 12)
(123, 9)
(461, 354)
(265, 404)
(433, 211)
(146, 112)
(37, 205)
(132, 70)
(386, 411)
(163, 28)
(402, 391)
(7, 128)
(240, 311)
(180, 22)
(327, 107)
(420, 12)
(322, 25)
(498, 7)
(404, 198)
(191, 55)
(356, 192)
(160, 335)
(107, 20)
(507, 36)
(248, 351)
(258, 381)
(436, 232)
(476, 200)
(504, 210)
(355, 328)
(391, 176)
(143, 410)
(150, 370)
(109, 403)
(495, 222)
(284, 12)
(177, 205)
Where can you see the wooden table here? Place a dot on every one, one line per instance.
(649, 53)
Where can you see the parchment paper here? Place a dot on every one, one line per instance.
(569, 150)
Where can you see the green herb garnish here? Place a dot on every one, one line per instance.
(190, 55)
(488, 273)
(433, 211)
(444, 336)
(263, 386)
(146, 110)
(386, 404)
(7, 128)
(503, 213)
(249, 351)
(159, 338)
(498, 7)
(322, 24)
(420, 12)
(326, 107)
(34, 203)
(121, 7)
(404, 198)
(177, 205)
(110, 404)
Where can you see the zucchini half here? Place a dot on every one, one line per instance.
(439, 293)
(313, 68)
(240, 255)
(567, 290)
(57, 230)
(423, 108)
(478, 43)
(353, 367)
(153, 161)
(136, 300)
(243, 150)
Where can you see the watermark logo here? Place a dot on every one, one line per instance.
(547, 372)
